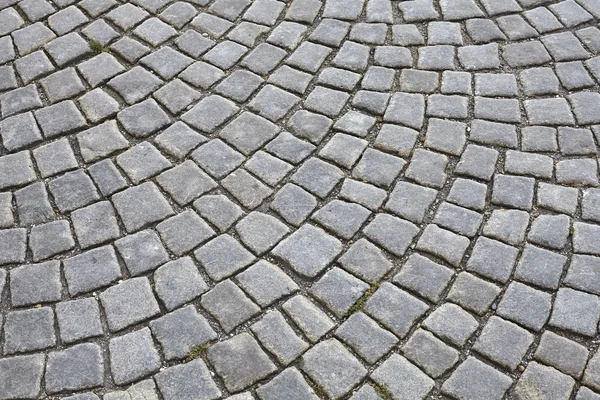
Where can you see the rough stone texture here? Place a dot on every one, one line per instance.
(295, 199)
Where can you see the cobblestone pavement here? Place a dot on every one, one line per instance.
(299, 199)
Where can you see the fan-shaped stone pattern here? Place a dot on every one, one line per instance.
(267, 199)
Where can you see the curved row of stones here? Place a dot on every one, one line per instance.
(302, 199)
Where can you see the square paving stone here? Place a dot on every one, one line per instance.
(239, 86)
(217, 158)
(378, 168)
(513, 191)
(13, 245)
(184, 232)
(166, 62)
(60, 119)
(135, 84)
(210, 113)
(473, 293)
(550, 231)
(268, 168)
(51, 238)
(35, 283)
(503, 342)
(249, 132)
(38, 323)
(218, 210)
(19, 100)
(424, 277)
(563, 354)
(78, 319)
(142, 252)
(176, 96)
(33, 204)
(430, 353)
(338, 290)
(540, 267)
(318, 177)
(507, 225)
(260, 231)
(101, 141)
(427, 168)
(21, 376)
(225, 54)
(443, 243)
(54, 158)
(143, 119)
(240, 362)
(288, 384)
(366, 261)
(276, 335)
(410, 201)
(288, 147)
(474, 379)
(190, 381)
(355, 123)
(266, 283)
(141, 205)
(19, 131)
(180, 331)
(309, 126)
(313, 322)
(395, 309)
(363, 334)
(333, 367)
(342, 218)
(73, 190)
(133, 356)
(492, 259)
(326, 101)
(402, 378)
(229, 305)
(78, 367)
(343, 149)
(576, 312)
(91, 270)
(185, 182)
(293, 203)
(362, 193)
(546, 380)
(273, 103)
(95, 224)
(450, 322)
(223, 256)
(178, 140)
(583, 273)
(129, 303)
(323, 250)
(131, 50)
(178, 282)
(154, 31)
(392, 233)
(525, 306)
(211, 24)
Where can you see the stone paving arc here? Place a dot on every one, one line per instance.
(299, 199)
